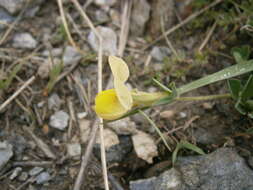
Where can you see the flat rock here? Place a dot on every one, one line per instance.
(5, 19)
(159, 53)
(24, 41)
(71, 56)
(223, 169)
(12, 6)
(74, 149)
(59, 120)
(43, 178)
(140, 16)
(5, 153)
(109, 38)
(54, 102)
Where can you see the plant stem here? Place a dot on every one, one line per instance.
(199, 98)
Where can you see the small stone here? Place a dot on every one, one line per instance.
(109, 38)
(43, 178)
(5, 153)
(159, 53)
(123, 127)
(71, 56)
(55, 52)
(59, 120)
(54, 102)
(101, 16)
(74, 149)
(139, 17)
(24, 41)
(144, 146)
(182, 114)
(5, 19)
(168, 114)
(82, 115)
(44, 68)
(23, 176)
(105, 2)
(15, 173)
(12, 6)
(110, 138)
(36, 170)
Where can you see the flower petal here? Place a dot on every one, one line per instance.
(119, 68)
(123, 94)
(108, 106)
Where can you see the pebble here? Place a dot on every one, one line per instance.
(24, 41)
(105, 2)
(159, 53)
(109, 38)
(12, 6)
(123, 127)
(101, 16)
(54, 102)
(43, 178)
(55, 52)
(59, 120)
(82, 115)
(74, 149)
(5, 19)
(110, 138)
(5, 153)
(15, 173)
(140, 15)
(36, 170)
(71, 56)
(23, 176)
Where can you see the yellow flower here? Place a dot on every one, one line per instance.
(108, 106)
(114, 103)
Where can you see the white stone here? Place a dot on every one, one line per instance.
(71, 56)
(74, 149)
(24, 41)
(59, 120)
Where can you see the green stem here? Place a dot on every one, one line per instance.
(199, 98)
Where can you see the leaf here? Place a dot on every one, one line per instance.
(170, 98)
(187, 145)
(119, 68)
(226, 73)
(165, 88)
(241, 53)
(234, 86)
(240, 108)
(123, 94)
(247, 91)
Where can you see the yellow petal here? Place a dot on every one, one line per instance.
(108, 106)
(119, 68)
(123, 94)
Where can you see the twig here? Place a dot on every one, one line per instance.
(185, 21)
(43, 146)
(25, 85)
(208, 36)
(33, 163)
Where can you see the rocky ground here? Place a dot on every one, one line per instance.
(52, 76)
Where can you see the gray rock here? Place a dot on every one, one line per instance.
(35, 171)
(54, 102)
(139, 17)
(101, 16)
(5, 19)
(59, 120)
(15, 173)
(74, 149)
(223, 169)
(105, 2)
(12, 6)
(159, 53)
(23, 176)
(55, 52)
(24, 41)
(109, 38)
(5, 153)
(19, 145)
(71, 56)
(43, 178)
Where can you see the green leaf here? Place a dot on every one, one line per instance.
(226, 73)
(247, 91)
(234, 86)
(170, 98)
(240, 108)
(165, 88)
(241, 53)
(186, 145)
